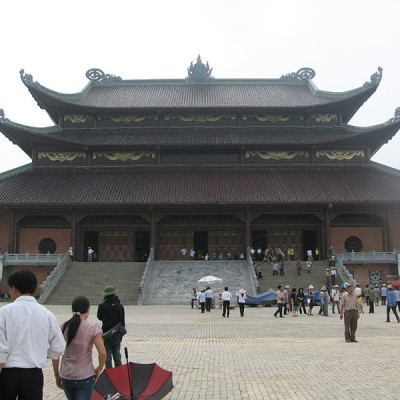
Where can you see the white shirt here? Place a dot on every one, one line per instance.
(357, 291)
(226, 296)
(242, 299)
(209, 293)
(29, 334)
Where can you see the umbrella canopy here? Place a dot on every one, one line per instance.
(148, 382)
(395, 283)
(210, 280)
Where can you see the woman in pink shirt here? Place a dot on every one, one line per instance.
(77, 374)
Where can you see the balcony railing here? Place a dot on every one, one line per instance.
(32, 259)
(369, 257)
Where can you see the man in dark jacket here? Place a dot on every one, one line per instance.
(111, 312)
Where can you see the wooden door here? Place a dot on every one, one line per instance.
(117, 245)
(171, 242)
(285, 239)
(224, 241)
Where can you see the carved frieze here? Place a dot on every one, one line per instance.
(77, 118)
(61, 156)
(199, 118)
(125, 156)
(274, 118)
(323, 118)
(128, 118)
(277, 155)
(341, 155)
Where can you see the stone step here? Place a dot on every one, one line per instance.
(89, 279)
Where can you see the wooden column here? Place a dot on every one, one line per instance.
(247, 234)
(11, 233)
(327, 229)
(153, 233)
(388, 231)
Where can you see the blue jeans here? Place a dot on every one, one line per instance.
(113, 348)
(78, 389)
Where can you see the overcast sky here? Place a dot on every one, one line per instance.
(344, 41)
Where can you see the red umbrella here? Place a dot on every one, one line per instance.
(395, 283)
(134, 381)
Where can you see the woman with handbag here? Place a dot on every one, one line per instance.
(77, 374)
(111, 312)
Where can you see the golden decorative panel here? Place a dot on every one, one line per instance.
(61, 156)
(341, 155)
(125, 156)
(277, 155)
(128, 118)
(274, 118)
(199, 118)
(324, 117)
(77, 118)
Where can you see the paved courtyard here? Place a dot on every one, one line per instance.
(258, 356)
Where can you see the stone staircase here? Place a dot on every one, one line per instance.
(89, 279)
(172, 282)
(316, 278)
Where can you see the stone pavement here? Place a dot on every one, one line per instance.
(259, 356)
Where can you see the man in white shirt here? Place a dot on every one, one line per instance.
(209, 295)
(29, 335)
(226, 302)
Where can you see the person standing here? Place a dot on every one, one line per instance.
(183, 252)
(333, 275)
(300, 298)
(384, 292)
(241, 295)
(280, 300)
(350, 313)
(391, 304)
(377, 294)
(77, 374)
(90, 254)
(202, 299)
(397, 292)
(371, 301)
(310, 299)
(366, 294)
(335, 299)
(71, 254)
(226, 302)
(209, 295)
(298, 267)
(29, 335)
(110, 313)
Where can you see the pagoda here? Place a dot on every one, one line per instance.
(214, 165)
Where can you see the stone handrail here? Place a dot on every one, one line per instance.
(343, 272)
(52, 280)
(253, 275)
(370, 256)
(32, 259)
(143, 287)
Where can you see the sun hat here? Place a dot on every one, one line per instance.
(242, 291)
(323, 288)
(311, 287)
(336, 286)
(390, 286)
(109, 290)
(287, 287)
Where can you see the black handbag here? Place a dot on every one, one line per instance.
(118, 331)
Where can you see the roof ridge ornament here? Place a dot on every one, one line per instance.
(303, 74)
(96, 74)
(2, 116)
(27, 79)
(375, 79)
(396, 117)
(199, 72)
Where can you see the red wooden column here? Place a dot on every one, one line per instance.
(247, 234)
(153, 232)
(327, 228)
(11, 233)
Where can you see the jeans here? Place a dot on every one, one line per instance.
(113, 349)
(279, 310)
(78, 389)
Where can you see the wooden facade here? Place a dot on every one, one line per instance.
(213, 165)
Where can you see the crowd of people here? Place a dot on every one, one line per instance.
(30, 334)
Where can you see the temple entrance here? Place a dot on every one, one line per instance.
(310, 241)
(116, 245)
(142, 246)
(91, 238)
(285, 239)
(259, 239)
(200, 243)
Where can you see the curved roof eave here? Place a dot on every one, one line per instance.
(51, 100)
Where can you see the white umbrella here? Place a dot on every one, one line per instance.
(209, 280)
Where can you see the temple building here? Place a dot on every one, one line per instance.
(214, 165)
